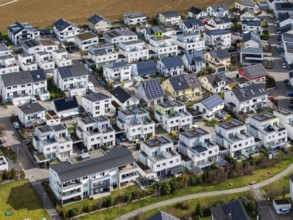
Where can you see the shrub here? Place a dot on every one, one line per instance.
(71, 213)
(183, 206)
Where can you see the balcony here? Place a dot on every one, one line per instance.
(77, 90)
(20, 99)
(71, 186)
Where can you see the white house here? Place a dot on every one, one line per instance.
(60, 57)
(26, 62)
(170, 18)
(102, 54)
(86, 39)
(119, 36)
(220, 23)
(218, 10)
(31, 114)
(246, 14)
(266, 127)
(73, 79)
(252, 26)
(66, 107)
(19, 87)
(194, 61)
(8, 64)
(96, 176)
(173, 115)
(234, 137)
(134, 18)
(197, 145)
(286, 120)
(251, 39)
(163, 47)
(52, 142)
(122, 99)
(247, 99)
(254, 74)
(96, 132)
(210, 107)
(170, 66)
(153, 32)
(136, 123)
(192, 26)
(197, 13)
(98, 23)
(4, 50)
(34, 46)
(134, 51)
(117, 72)
(144, 69)
(190, 42)
(218, 38)
(65, 30)
(19, 32)
(250, 55)
(97, 104)
(3, 163)
(216, 83)
(159, 156)
(45, 61)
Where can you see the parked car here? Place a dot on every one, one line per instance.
(286, 81)
(16, 125)
(291, 103)
(284, 65)
(290, 94)
(33, 99)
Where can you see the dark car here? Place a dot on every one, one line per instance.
(286, 81)
(291, 103)
(290, 94)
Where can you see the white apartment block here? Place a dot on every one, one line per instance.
(170, 18)
(26, 62)
(65, 30)
(93, 177)
(286, 120)
(96, 132)
(119, 36)
(190, 42)
(52, 142)
(163, 47)
(19, 32)
(85, 40)
(136, 123)
(34, 46)
(117, 72)
(197, 145)
(101, 55)
(218, 38)
(8, 65)
(133, 19)
(97, 104)
(266, 127)
(45, 61)
(134, 51)
(234, 137)
(60, 57)
(173, 115)
(160, 156)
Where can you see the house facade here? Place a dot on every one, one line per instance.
(31, 114)
(97, 104)
(65, 30)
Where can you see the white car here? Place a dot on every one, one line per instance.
(194, 125)
(33, 99)
(284, 65)
(16, 125)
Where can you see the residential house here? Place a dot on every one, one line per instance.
(254, 74)
(97, 104)
(252, 25)
(183, 87)
(65, 30)
(194, 61)
(250, 55)
(66, 107)
(284, 19)
(163, 47)
(117, 72)
(19, 32)
(135, 18)
(173, 115)
(251, 39)
(246, 15)
(217, 10)
(266, 127)
(95, 177)
(190, 42)
(122, 99)
(195, 26)
(219, 23)
(197, 13)
(210, 107)
(52, 142)
(218, 38)
(96, 132)
(73, 79)
(134, 51)
(117, 36)
(154, 31)
(197, 145)
(247, 99)
(41, 45)
(217, 82)
(170, 66)
(4, 50)
(283, 7)
(233, 210)
(102, 54)
(159, 156)
(234, 137)
(98, 23)
(45, 61)
(136, 123)
(85, 40)
(60, 57)
(150, 92)
(286, 120)
(8, 64)
(245, 4)
(19, 87)
(218, 60)
(31, 114)
(170, 18)
(161, 216)
(26, 62)
(144, 68)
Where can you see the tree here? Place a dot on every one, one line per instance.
(165, 188)
(198, 210)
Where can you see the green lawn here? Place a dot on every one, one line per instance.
(20, 199)
(260, 175)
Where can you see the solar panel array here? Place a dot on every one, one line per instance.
(236, 210)
(153, 89)
(255, 71)
(65, 103)
(170, 62)
(65, 72)
(212, 101)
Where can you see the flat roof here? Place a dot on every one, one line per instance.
(263, 117)
(194, 133)
(157, 142)
(231, 124)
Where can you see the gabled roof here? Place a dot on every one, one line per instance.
(230, 211)
(162, 216)
(215, 79)
(116, 157)
(94, 97)
(243, 11)
(155, 29)
(218, 32)
(183, 82)
(221, 54)
(170, 62)
(251, 36)
(66, 103)
(31, 108)
(284, 6)
(253, 72)
(246, 3)
(283, 16)
(212, 101)
(254, 23)
(222, 20)
(249, 92)
(195, 56)
(72, 71)
(170, 14)
(190, 23)
(217, 7)
(61, 24)
(121, 94)
(18, 27)
(96, 19)
(152, 89)
(146, 68)
(195, 10)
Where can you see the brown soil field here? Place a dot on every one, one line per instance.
(43, 13)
